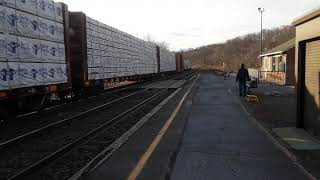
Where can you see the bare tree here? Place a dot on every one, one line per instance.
(243, 49)
(150, 38)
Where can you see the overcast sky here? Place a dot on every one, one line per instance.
(191, 23)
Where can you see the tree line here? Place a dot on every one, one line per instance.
(243, 49)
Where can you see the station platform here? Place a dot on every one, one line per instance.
(211, 137)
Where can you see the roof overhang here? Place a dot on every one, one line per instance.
(307, 17)
(271, 54)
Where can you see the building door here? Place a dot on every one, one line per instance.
(311, 91)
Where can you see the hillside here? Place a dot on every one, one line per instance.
(243, 49)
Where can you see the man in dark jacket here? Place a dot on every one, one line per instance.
(242, 78)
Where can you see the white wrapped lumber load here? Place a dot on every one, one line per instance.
(59, 32)
(32, 50)
(27, 5)
(30, 74)
(52, 73)
(3, 47)
(13, 47)
(47, 29)
(116, 53)
(64, 73)
(46, 9)
(27, 24)
(62, 53)
(3, 23)
(167, 61)
(49, 52)
(58, 12)
(8, 3)
(12, 75)
(53, 52)
(26, 74)
(11, 20)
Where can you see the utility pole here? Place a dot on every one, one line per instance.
(261, 10)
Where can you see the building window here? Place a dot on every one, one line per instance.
(273, 64)
(282, 67)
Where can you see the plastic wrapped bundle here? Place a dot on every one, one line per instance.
(13, 47)
(11, 20)
(52, 73)
(59, 32)
(58, 12)
(62, 53)
(64, 75)
(9, 3)
(27, 5)
(3, 23)
(47, 29)
(30, 49)
(12, 75)
(3, 47)
(30, 54)
(28, 25)
(30, 74)
(49, 51)
(53, 52)
(46, 9)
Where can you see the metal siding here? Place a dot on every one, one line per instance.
(311, 93)
(306, 31)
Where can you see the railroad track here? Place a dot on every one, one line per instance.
(23, 155)
(32, 122)
(23, 126)
(110, 92)
(70, 163)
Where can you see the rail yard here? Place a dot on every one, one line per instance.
(80, 99)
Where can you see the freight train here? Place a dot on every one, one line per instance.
(47, 52)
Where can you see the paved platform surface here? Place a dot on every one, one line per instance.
(298, 139)
(211, 138)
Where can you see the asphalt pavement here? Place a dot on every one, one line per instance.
(212, 137)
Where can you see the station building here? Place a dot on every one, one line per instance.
(277, 64)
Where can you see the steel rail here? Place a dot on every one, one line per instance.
(14, 140)
(69, 146)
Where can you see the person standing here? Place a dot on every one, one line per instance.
(242, 78)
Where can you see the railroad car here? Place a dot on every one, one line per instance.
(101, 54)
(33, 53)
(48, 53)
